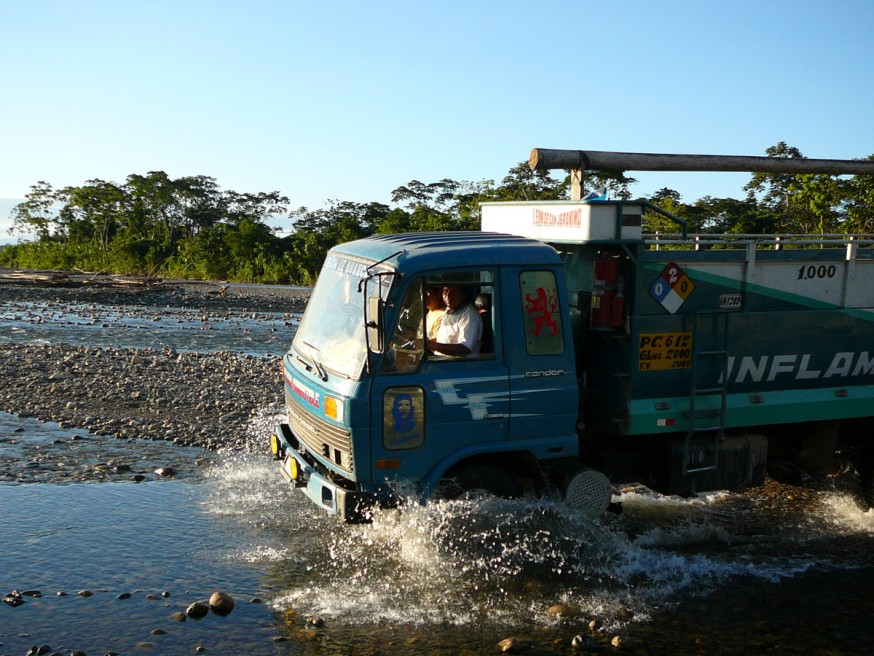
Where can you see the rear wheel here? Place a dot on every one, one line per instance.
(475, 481)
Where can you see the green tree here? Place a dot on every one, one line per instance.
(259, 207)
(802, 203)
(38, 213)
(859, 195)
(317, 231)
(730, 215)
(94, 212)
(670, 201)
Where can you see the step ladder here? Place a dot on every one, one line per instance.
(709, 381)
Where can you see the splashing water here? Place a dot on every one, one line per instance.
(501, 562)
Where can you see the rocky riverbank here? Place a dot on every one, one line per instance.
(18, 286)
(202, 400)
(192, 399)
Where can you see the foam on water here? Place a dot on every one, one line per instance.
(501, 562)
(845, 514)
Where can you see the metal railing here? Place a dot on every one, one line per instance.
(761, 241)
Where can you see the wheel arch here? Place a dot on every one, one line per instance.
(520, 464)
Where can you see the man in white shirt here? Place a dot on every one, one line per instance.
(461, 330)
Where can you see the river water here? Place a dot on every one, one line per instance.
(777, 570)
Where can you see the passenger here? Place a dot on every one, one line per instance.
(461, 329)
(436, 308)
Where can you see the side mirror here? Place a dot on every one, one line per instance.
(375, 310)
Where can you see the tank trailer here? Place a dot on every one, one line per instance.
(605, 356)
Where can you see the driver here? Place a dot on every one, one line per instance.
(461, 330)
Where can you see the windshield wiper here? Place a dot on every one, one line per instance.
(314, 360)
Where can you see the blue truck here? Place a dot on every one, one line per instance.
(605, 356)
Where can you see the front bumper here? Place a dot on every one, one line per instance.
(300, 469)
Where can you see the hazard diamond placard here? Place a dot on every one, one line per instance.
(672, 287)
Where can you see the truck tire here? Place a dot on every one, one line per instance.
(475, 481)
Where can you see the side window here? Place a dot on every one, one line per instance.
(460, 314)
(544, 333)
(407, 344)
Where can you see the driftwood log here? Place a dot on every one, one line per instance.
(78, 279)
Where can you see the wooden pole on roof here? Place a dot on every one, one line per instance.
(578, 161)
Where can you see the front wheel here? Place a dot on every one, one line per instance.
(477, 481)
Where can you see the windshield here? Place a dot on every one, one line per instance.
(332, 334)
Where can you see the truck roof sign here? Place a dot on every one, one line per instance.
(565, 221)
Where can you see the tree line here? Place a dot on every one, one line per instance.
(189, 228)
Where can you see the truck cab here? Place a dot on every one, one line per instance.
(371, 408)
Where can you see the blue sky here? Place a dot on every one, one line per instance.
(349, 100)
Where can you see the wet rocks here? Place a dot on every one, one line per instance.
(191, 399)
(583, 642)
(514, 645)
(314, 620)
(197, 610)
(13, 599)
(221, 603)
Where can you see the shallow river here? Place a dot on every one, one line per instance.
(182, 329)
(717, 574)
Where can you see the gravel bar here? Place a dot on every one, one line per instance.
(191, 399)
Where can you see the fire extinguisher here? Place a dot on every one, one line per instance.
(608, 300)
(618, 303)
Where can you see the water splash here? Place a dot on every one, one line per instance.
(473, 563)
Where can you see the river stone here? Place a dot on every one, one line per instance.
(197, 610)
(221, 603)
(314, 620)
(13, 598)
(179, 617)
(512, 645)
(581, 642)
(165, 471)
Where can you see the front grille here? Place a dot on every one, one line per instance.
(320, 437)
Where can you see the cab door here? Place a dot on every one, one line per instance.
(543, 383)
(426, 408)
